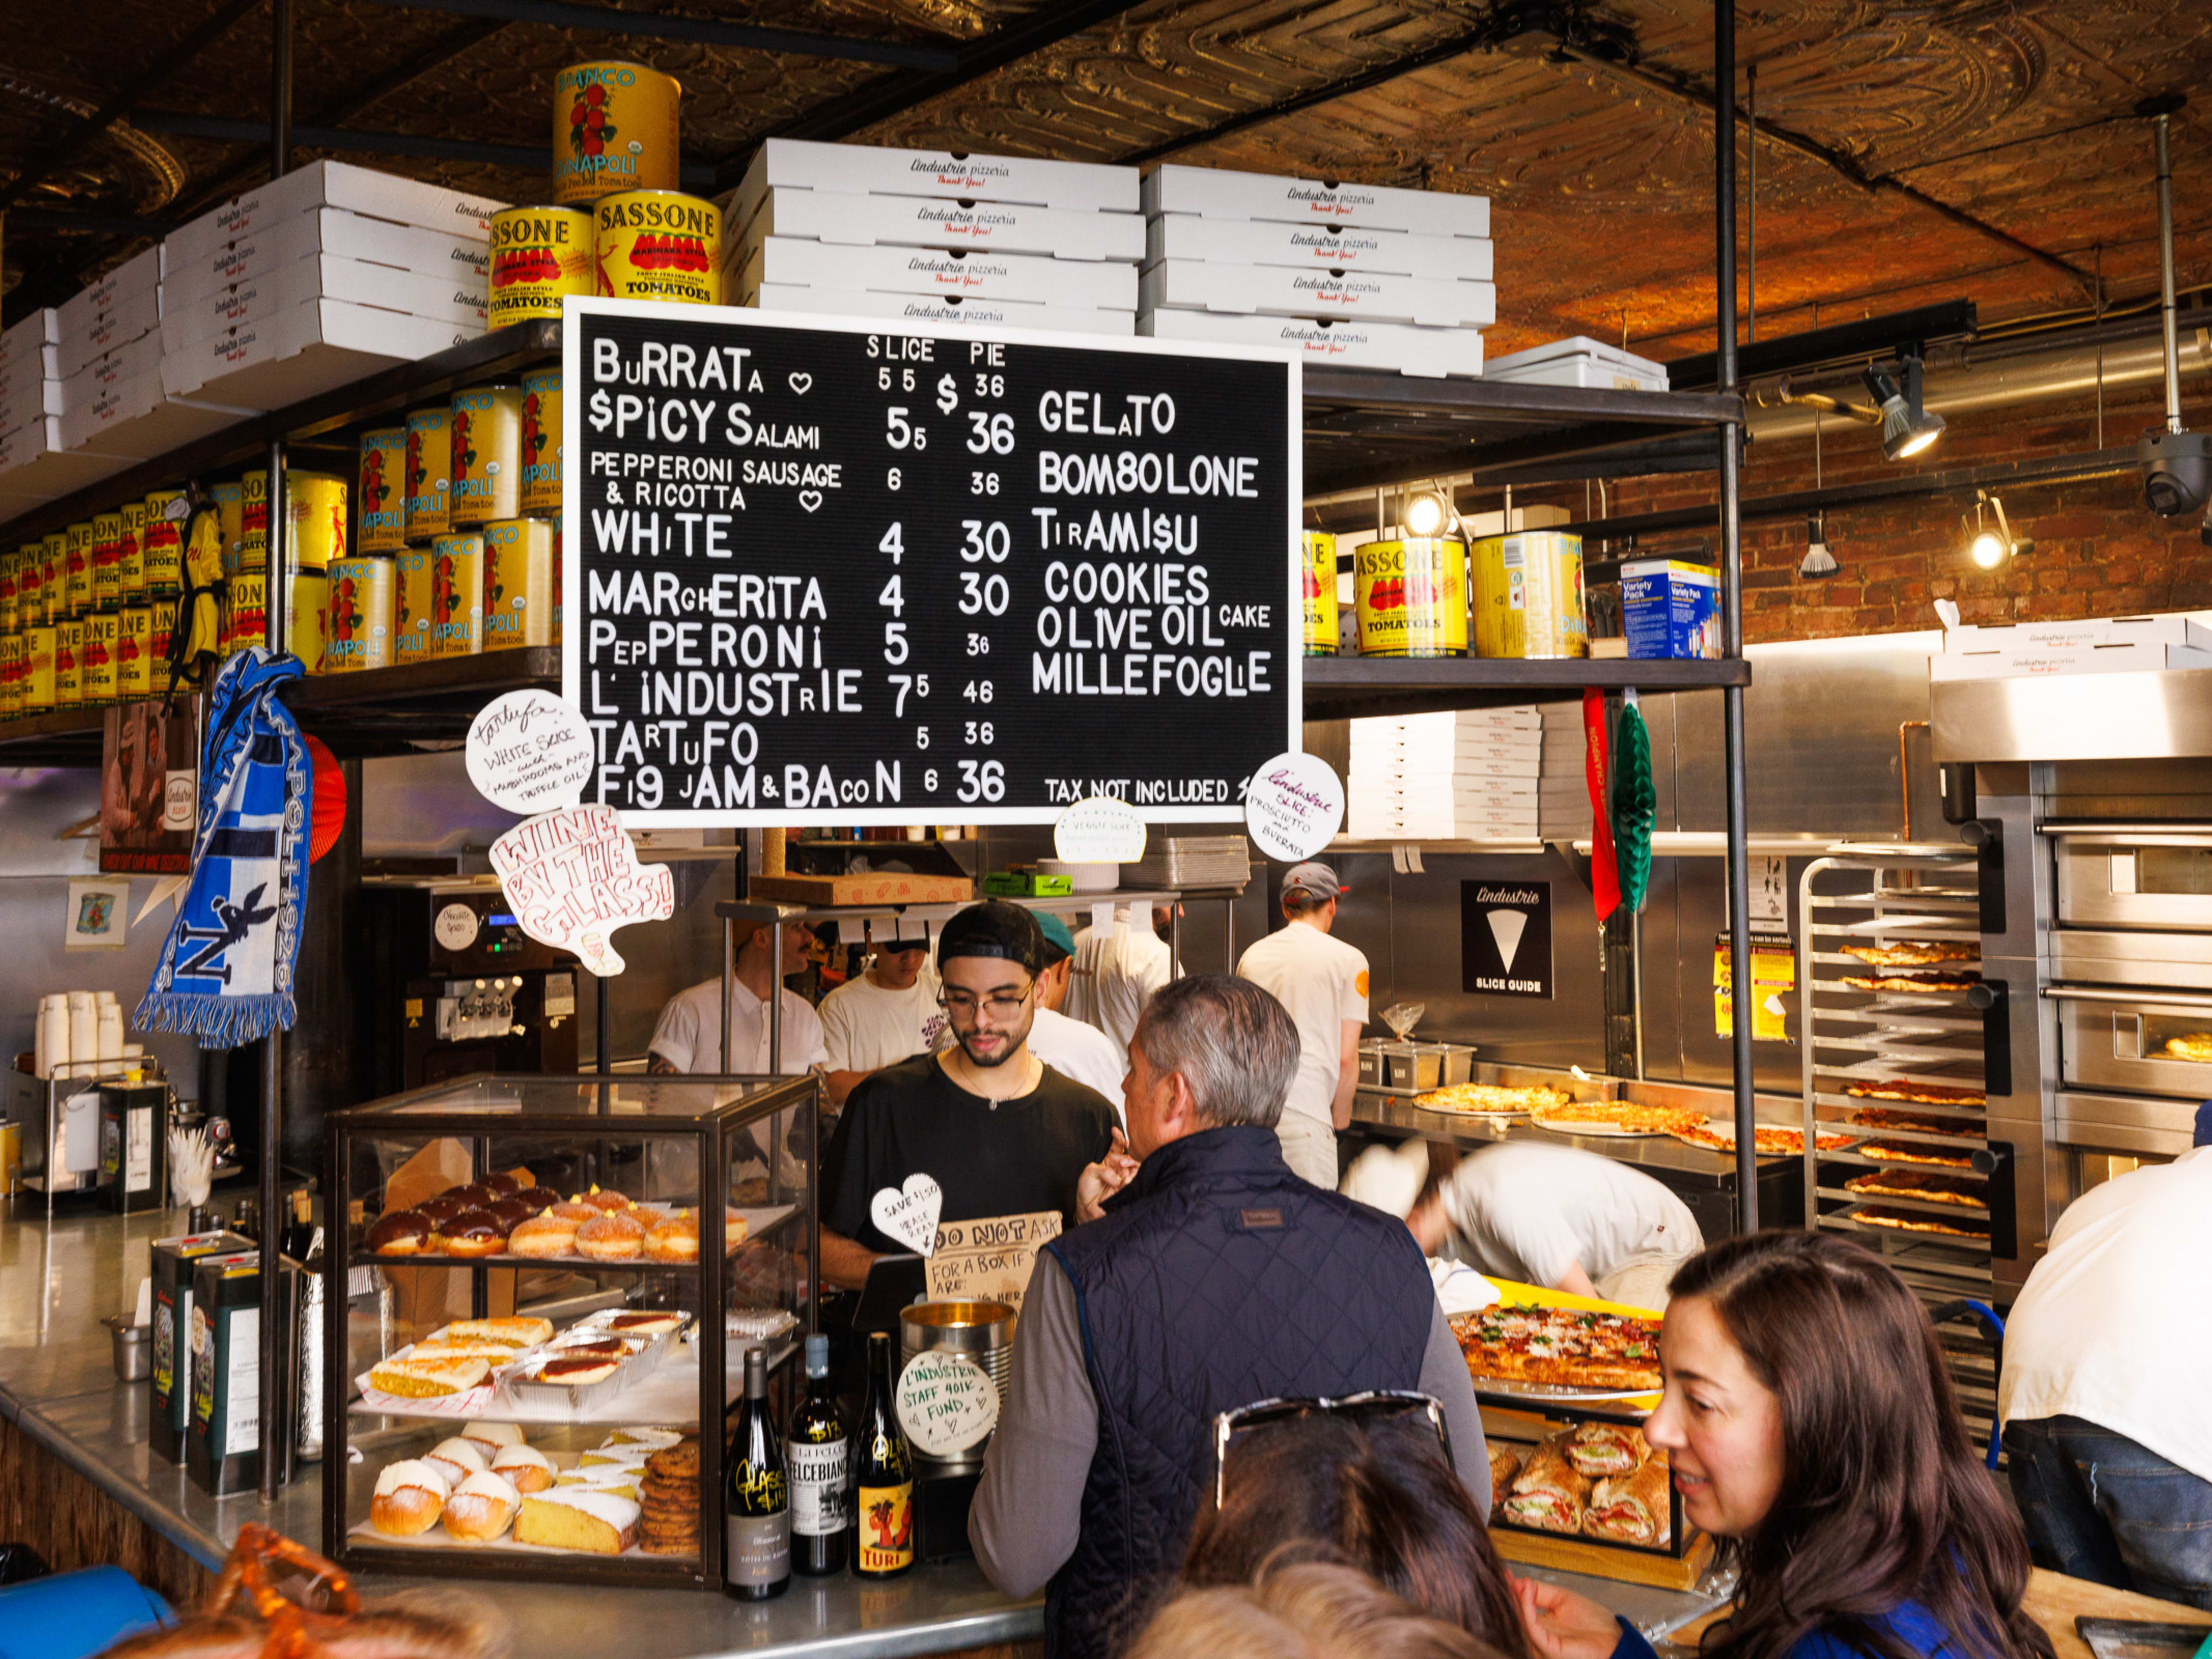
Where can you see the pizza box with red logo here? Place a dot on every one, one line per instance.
(1337, 341)
(865, 169)
(1221, 193)
(847, 217)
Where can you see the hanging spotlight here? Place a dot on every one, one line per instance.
(1991, 547)
(1426, 512)
(1906, 428)
(1818, 562)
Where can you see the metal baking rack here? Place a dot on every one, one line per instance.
(1951, 1039)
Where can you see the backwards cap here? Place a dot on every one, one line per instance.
(992, 928)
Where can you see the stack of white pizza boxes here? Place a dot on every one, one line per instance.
(30, 391)
(927, 236)
(317, 278)
(1360, 275)
(1465, 775)
(1563, 803)
(111, 356)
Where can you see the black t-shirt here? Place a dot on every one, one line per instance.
(992, 1158)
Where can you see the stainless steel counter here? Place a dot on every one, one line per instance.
(58, 1384)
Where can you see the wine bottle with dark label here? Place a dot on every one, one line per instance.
(759, 1503)
(884, 1490)
(821, 1458)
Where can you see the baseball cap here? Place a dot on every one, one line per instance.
(992, 928)
(1059, 942)
(1317, 880)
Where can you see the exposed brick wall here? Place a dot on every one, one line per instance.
(2099, 552)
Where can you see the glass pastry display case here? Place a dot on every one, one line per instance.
(556, 1281)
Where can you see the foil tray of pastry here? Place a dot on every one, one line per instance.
(577, 1383)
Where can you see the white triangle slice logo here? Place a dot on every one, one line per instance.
(1506, 927)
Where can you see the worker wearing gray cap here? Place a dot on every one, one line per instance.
(1323, 983)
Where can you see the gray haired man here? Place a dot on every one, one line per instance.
(1211, 1277)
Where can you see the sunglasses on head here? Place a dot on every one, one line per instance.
(1372, 1405)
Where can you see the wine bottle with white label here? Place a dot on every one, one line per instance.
(820, 1454)
(759, 1503)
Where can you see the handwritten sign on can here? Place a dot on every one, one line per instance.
(946, 1403)
(890, 571)
(989, 1260)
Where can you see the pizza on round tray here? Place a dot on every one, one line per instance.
(1967, 1191)
(1911, 1221)
(1620, 1116)
(1916, 1094)
(1924, 984)
(1914, 952)
(1913, 1151)
(1768, 1140)
(1494, 1099)
(1567, 1347)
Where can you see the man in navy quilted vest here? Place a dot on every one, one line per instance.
(1211, 1277)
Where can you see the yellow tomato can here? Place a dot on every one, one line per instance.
(38, 677)
(246, 618)
(134, 652)
(360, 616)
(538, 255)
(486, 432)
(11, 566)
(26, 603)
(318, 500)
(241, 507)
(457, 589)
(1409, 597)
(541, 443)
(133, 549)
(164, 542)
(1317, 582)
(381, 491)
(305, 620)
(76, 571)
(518, 578)
(106, 559)
(615, 128)
(162, 635)
(69, 662)
(11, 673)
(54, 575)
(103, 633)
(1529, 596)
(658, 244)
(414, 627)
(430, 472)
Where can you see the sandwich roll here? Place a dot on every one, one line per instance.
(1632, 1509)
(1548, 1493)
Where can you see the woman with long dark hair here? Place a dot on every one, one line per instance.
(1377, 1494)
(1811, 1425)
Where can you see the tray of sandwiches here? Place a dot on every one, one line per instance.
(1591, 1495)
(634, 1492)
(521, 1365)
(504, 1218)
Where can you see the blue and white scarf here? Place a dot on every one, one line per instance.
(226, 972)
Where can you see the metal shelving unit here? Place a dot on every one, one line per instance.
(1343, 687)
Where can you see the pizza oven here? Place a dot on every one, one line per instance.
(2130, 983)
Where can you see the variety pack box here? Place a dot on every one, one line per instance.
(1076, 283)
(1339, 342)
(849, 218)
(1670, 608)
(1277, 290)
(800, 164)
(1317, 247)
(941, 308)
(1221, 193)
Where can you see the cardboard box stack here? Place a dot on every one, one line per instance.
(999, 240)
(1581, 361)
(2113, 645)
(317, 278)
(1562, 804)
(30, 389)
(1470, 775)
(1362, 276)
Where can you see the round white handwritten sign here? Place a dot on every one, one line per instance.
(455, 928)
(1293, 807)
(947, 1403)
(1099, 829)
(529, 752)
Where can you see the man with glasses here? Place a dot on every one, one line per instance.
(1211, 1277)
(999, 1132)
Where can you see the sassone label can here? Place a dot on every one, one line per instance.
(358, 624)
(658, 244)
(541, 443)
(164, 539)
(134, 652)
(103, 633)
(1410, 597)
(615, 128)
(1317, 582)
(69, 662)
(106, 559)
(430, 472)
(457, 564)
(517, 575)
(486, 433)
(538, 255)
(38, 675)
(76, 573)
(380, 491)
(246, 620)
(134, 551)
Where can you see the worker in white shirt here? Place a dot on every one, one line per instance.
(889, 1013)
(1563, 1218)
(2107, 1369)
(1068, 1046)
(689, 1037)
(1323, 983)
(1117, 970)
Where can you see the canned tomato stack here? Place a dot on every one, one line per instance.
(317, 506)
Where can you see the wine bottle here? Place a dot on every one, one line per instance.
(301, 1230)
(821, 1459)
(883, 1501)
(759, 1543)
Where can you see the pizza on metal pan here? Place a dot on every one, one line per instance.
(1917, 1094)
(1771, 1141)
(1495, 1098)
(1626, 1114)
(1911, 1221)
(1928, 1189)
(1569, 1347)
(1883, 1117)
(1914, 952)
(1934, 980)
(1912, 1151)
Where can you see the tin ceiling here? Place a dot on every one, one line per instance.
(1907, 153)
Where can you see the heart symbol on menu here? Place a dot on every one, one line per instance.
(810, 499)
(909, 1213)
(802, 383)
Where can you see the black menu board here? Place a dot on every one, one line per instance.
(823, 571)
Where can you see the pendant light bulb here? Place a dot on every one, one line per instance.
(1818, 562)
(1989, 550)
(1425, 513)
